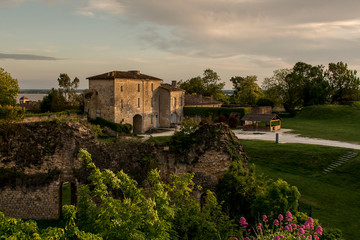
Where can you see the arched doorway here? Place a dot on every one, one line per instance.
(174, 118)
(137, 123)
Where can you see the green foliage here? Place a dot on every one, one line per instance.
(344, 83)
(237, 190)
(119, 128)
(53, 102)
(265, 102)
(160, 211)
(246, 90)
(208, 85)
(68, 87)
(278, 197)
(9, 88)
(274, 87)
(10, 113)
(183, 139)
(210, 111)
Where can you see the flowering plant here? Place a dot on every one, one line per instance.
(281, 228)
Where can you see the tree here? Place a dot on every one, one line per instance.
(53, 102)
(67, 87)
(344, 83)
(246, 90)
(9, 88)
(208, 85)
(304, 86)
(274, 87)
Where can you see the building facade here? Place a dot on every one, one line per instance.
(134, 98)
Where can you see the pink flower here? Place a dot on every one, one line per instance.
(301, 231)
(243, 222)
(264, 218)
(277, 238)
(318, 230)
(280, 217)
(235, 239)
(289, 216)
(310, 237)
(276, 222)
(259, 227)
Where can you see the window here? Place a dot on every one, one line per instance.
(121, 89)
(152, 87)
(138, 87)
(180, 101)
(152, 102)
(174, 102)
(138, 102)
(122, 104)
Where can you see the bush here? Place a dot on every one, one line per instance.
(264, 102)
(119, 128)
(11, 113)
(233, 122)
(210, 111)
(222, 118)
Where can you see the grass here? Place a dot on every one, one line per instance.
(332, 198)
(160, 139)
(334, 122)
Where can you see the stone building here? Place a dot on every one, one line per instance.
(134, 98)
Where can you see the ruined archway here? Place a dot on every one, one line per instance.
(137, 123)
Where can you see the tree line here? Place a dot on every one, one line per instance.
(303, 85)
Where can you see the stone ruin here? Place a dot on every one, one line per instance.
(36, 159)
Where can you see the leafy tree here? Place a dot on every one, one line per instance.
(343, 82)
(53, 102)
(11, 113)
(265, 102)
(237, 190)
(274, 87)
(246, 90)
(278, 197)
(67, 87)
(9, 88)
(305, 86)
(208, 85)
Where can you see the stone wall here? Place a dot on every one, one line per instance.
(36, 158)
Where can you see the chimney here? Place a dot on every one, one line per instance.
(137, 72)
(174, 83)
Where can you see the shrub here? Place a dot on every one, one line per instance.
(11, 113)
(222, 118)
(233, 122)
(264, 102)
(210, 111)
(117, 127)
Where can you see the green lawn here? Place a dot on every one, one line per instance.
(334, 122)
(334, 198)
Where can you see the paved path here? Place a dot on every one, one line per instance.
(284, 137)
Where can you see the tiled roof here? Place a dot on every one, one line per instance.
(123, 75)
(199, 100)
(260, 117)
(170, 87)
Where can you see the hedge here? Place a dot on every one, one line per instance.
(120, 128)
(214, 111)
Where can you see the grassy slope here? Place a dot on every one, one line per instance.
(335, 122)
(333, 197)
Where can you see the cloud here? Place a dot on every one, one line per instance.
(26, 57)
(278, 29)
(94, 8)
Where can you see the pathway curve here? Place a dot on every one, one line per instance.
(285, 136)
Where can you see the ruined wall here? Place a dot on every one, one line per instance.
(36, 158)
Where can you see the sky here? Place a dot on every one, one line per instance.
(173, 39)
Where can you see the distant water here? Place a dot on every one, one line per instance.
(31, 96)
